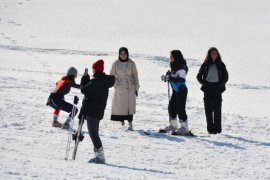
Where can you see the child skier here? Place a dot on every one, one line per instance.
(177, 104)
(57, 101)
(96, 93)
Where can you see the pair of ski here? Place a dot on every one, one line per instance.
(75, 135)
(160, 132)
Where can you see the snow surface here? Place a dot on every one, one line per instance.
(39, 40)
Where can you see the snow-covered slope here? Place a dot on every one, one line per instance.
(39, 40)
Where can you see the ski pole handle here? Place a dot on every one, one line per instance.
(76, 100)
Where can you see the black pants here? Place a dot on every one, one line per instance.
(58, 103)
(212, 105)
(177, 105)
(93, 129)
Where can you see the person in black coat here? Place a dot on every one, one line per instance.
(213, 76)
(96, 93)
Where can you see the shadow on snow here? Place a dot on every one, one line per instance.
(248, 141)
(139, 169)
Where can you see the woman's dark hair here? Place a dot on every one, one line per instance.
(69, 77)
(179, 61)
(208, 58)
(125, 50)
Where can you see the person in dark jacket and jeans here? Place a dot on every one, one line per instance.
(57, 100)
(96, 91)
(213, 76)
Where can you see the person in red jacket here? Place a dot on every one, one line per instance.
(57, 100)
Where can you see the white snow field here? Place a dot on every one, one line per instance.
(40, 39)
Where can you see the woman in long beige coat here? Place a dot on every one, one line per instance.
(126, 88)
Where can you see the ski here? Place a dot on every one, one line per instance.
(78, 136)
(189, 133)
(160, 133)
(72, 123)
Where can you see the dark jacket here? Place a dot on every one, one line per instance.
(64, 85)
(96, 93)
(61, 89)
(222, 75)
(178, 83)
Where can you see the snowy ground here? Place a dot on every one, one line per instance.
(39, 40)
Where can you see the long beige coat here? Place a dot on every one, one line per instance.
(126, 84)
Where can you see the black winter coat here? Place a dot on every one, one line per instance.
(96, 93)
(64, 85)
(222, 75)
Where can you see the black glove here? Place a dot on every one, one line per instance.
(168, 73)
(85, 79)
(166, 77)
(136, 93)
(76, 100)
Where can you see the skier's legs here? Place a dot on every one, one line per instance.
(93, 128)
(58, 103)
(181, 105)
(55, 122)
(181, 112)
(208, 105)
(217, 104)
(52, 102)
(56, 113)
(173, 106)
(65, 106)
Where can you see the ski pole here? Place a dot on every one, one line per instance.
(169, 97)
(169, 93)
